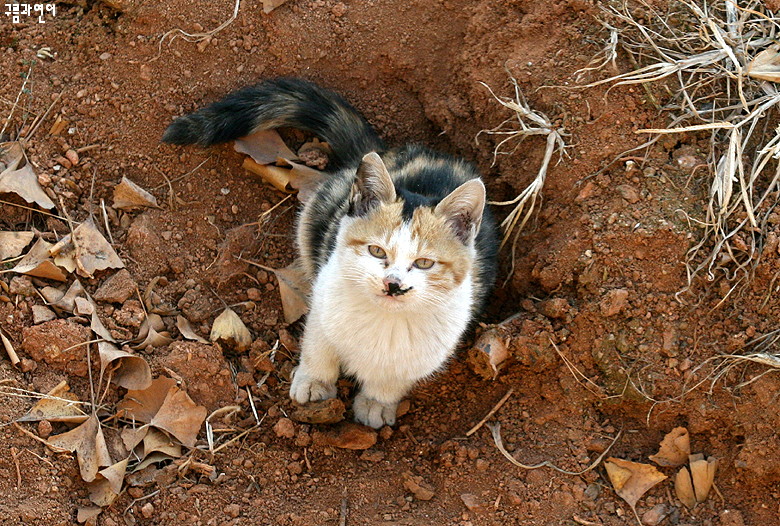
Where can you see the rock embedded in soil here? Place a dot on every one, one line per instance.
(654, 515)
(57, 343)
(418, 487)
(42, 314)
(204, 370)
(284, 428)
(330, 411)
(614, 302)
(472, 502)
(349, 435)
(629, 193)
(555, 308)
(21, 285)
(116, 289)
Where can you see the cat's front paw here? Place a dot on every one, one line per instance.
(373, 412)
(304, 388)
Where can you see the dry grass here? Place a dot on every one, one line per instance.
(524, 123)
(714, 60)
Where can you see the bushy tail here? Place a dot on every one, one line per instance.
(283, 102)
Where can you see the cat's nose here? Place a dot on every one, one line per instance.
(393, 286)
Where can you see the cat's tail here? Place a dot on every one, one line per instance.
(276, 103)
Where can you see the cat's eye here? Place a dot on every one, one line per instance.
(377, 251)
(423, 263)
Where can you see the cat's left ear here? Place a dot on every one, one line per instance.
(463, 208)
(372, 186)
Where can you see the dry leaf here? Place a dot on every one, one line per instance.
(153, 321)
(180, 416)
(703, 475)
(64, 301)
(132, 436)
(19, 178)
(86, 251)
(683, 487)
(766, 65)
(59, 126)
(95, 324)
(675, 448)
(129, 196)
(229, 329)
(141, 405)
(186, 330)
(265, 147)
(38, 262)
(131, 371)
(12, 243)
(166, 407)
(154, 339)
(631, 480)
(58, 406)
(151, 459)
(303, 178)
(108, 483)
(294, 290)
(88, 443)
(278, 177)
(488, 354)
(270, 5)
(160, 442)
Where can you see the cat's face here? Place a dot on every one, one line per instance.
(402, 264)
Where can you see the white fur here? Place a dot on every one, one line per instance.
(386, 343)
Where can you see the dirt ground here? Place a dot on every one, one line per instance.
(596, 274)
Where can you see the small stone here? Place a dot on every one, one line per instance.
(403, 407)
(372, 455)
(245, 379)
(72, 156)
(418, 487)
(295, 468)
(145, 73)
(253, 294)
(628, 192)
(328, 411)
(614, 302)
(386, 432)
(116, 289)
(284, 428)
(105, 56)
(472, 502)
(27, 365)
(147, 510)
(349, 435)
(339, 9)
(44, 428)
(233, 510)
(555, 308)
(587, 191)
(21, 285)
(42, 313)
(654, 515)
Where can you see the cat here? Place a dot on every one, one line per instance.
(398, 245)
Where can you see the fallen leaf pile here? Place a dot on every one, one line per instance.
(18, 177)
(631, 480)
(271, 159)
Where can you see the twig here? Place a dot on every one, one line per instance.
(177, 179)
(38, 122)
(344, 509)
(15, 455)
(9, 349)
(195, 37)
(39, 439)
(16, 102)
(105, 220)
(491, 413)
(495, 429)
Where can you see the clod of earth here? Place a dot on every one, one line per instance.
(347, 435)
(328, 411)
(418, 487)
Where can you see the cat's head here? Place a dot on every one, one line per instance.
(402, 260)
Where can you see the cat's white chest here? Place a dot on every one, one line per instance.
(374, 342)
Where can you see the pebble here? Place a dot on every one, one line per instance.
(349, 435)
(372, 455)
(105, 56)
(614, 302)
(284, 428)
(472, 502)
(233, 510)
(116, 289)
(253, 294)
(654, 515)
(44, 428)
(42, 314)
(418, 487)
(72, 156)
(147, 510)
(555, 308)
(628, 192)
(328, 411)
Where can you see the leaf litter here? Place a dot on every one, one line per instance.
(13, 243)
(18, 177)
(130, 196)
(230, 330)
(631, 480)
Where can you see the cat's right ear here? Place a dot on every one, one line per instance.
(372, 186)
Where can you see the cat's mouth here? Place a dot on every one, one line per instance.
(394, 290)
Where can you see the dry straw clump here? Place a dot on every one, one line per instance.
(720, 65)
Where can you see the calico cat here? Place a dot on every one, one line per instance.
(398, 245)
